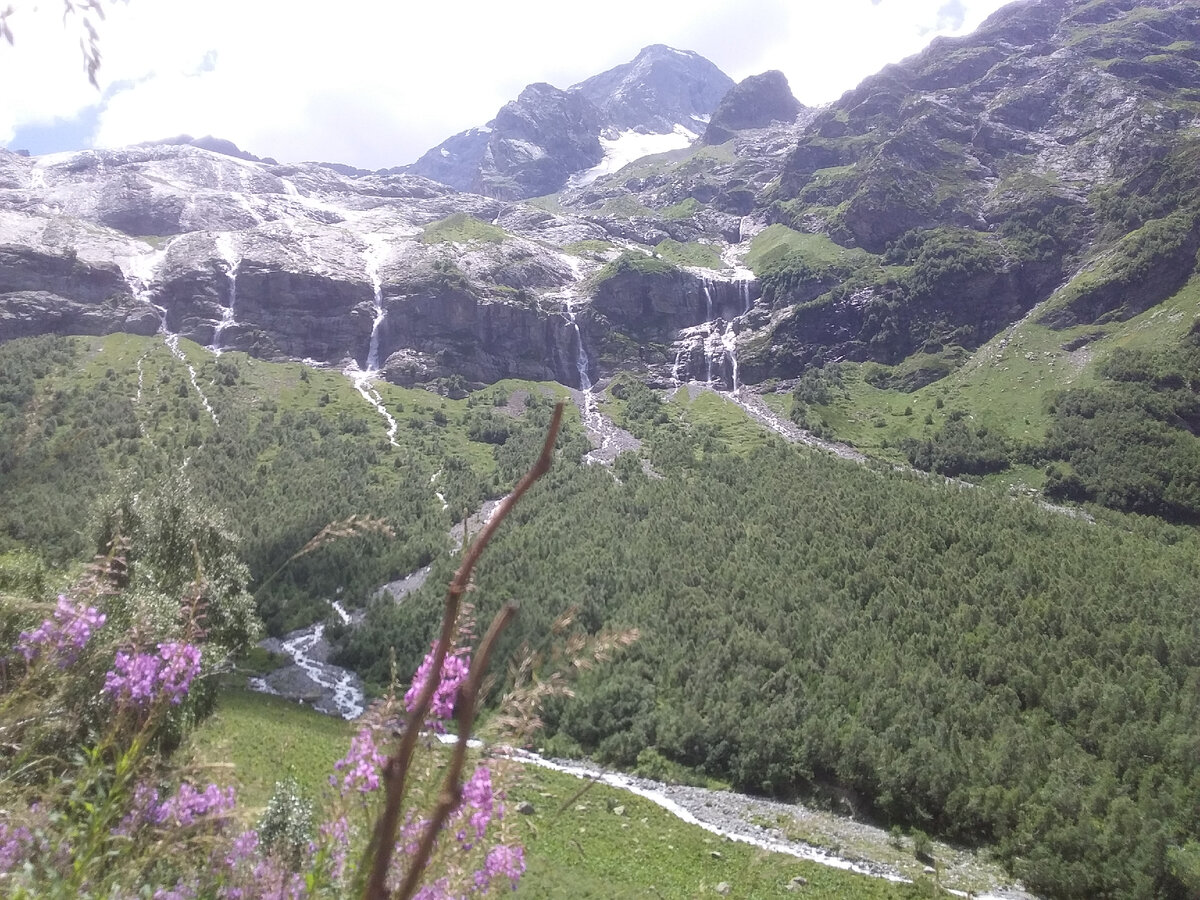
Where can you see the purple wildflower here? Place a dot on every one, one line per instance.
(439, 890)
(141, 678)
(182, 891)
(455, 668)
(336, 836)
(132, 678)
(478, 805)
(181, 664)
(189, 805)
(63, 635)
(361, 765)
(16, 842)
(502, 860)
(242, 849)
(143, 810)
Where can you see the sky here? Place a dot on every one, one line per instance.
(375, 83)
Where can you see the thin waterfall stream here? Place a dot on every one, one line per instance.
(139, 273)
(228, 251)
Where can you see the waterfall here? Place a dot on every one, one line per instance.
(228, 251)
(729, 343)
(675, 368)
(374, 258)
(593, 419)
(747, 301)
(139, 274)
(581, 357)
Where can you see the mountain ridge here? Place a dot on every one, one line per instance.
(547, 134)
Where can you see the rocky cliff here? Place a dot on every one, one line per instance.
(1047, 161)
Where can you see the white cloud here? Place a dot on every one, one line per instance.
(375, 83)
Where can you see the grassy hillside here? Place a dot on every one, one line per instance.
(575, 845)
(285, 450)
(1015, 388)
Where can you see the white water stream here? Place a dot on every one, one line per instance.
(341, 689)
(374, 255)
(364, 383)
(228, 251)
(658, 793)
(139, 272)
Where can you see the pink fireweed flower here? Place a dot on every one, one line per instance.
(16, 845)
(187, 807)
(180, 664)
(141, 678)
(477, 807)
(361, 765)
(502, 860)
(455, 668)
(242, 849)
(63, 635)
(190, 805)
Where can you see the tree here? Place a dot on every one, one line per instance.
(85, 13)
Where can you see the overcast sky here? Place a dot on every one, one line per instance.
(375, 83)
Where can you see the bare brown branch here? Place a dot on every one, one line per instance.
(464, 715)
(395, 771)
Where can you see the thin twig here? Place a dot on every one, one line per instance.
(395, 771)
(464, 715)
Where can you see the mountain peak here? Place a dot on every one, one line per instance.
(544, 136)
(660, 88)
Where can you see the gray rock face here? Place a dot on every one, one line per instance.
(963, 186)
(662, 87)
(538, 140)
(456, 161)
(755, 102)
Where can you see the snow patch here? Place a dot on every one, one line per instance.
(629, 146)
(526, 149)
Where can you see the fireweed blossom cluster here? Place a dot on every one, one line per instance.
(470, 857)
(455, 668)
(187, 807)
(139, 679)
(360, 767)
(62, 636)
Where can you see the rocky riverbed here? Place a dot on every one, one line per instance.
(804, 832)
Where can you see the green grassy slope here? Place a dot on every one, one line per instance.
(575, 846)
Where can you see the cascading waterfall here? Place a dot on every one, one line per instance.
(228, 251)
(716, 337)
(139, 274)
(593, 419)
(729, 343)
(581, 359)
(675, 368)
(363, 378)
(373, 255)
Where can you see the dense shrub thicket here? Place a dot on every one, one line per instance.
(941, 656)
(282, 465)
